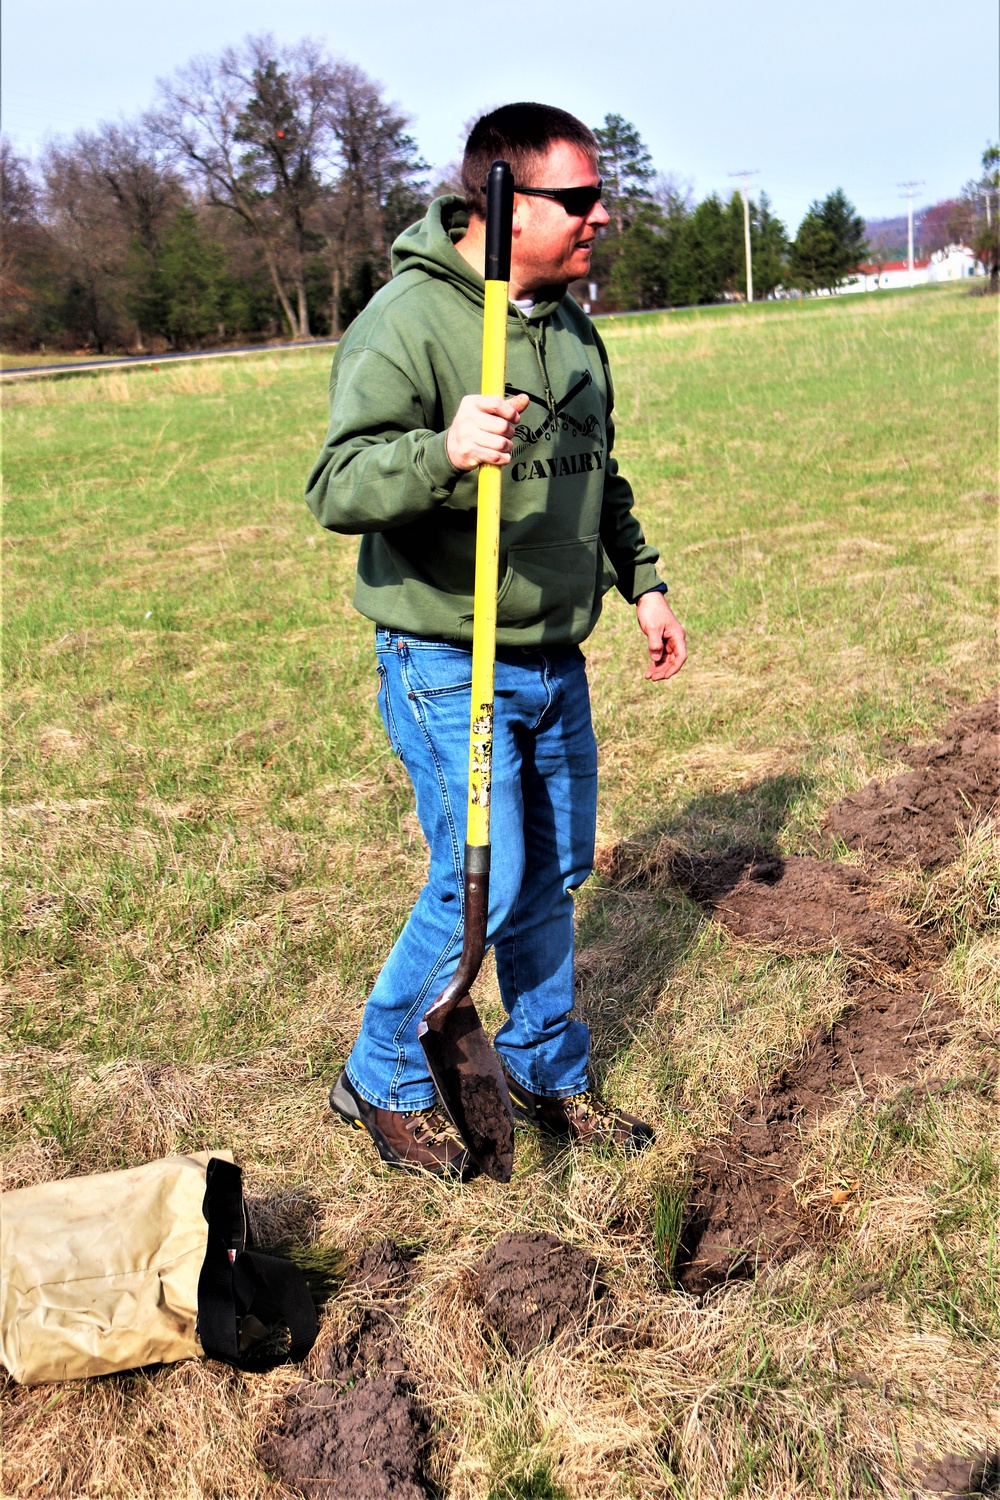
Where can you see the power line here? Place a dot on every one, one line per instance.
(745, 174)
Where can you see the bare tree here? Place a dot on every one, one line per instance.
(106, 191)
(935, 226)
(987, 238)
(250, 128)
(375, 193)
(675, 195)
(20, 230)
(123, 163)
(93, 246)
(881, 248)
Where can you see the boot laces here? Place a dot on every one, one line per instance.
(433, 1128)
(589, 1106)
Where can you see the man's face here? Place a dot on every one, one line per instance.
(550, 246)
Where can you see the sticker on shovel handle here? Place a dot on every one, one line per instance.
(481, 758)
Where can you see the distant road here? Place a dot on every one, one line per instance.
(34, 372)
(126, 361)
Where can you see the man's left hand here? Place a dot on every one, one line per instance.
(664, 634)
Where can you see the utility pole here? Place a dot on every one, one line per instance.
(909, 186)
(746, 174)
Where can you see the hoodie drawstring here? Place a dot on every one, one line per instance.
(538, 345)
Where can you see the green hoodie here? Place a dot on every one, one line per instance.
(567, 530)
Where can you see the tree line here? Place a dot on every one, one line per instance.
(260, 196)
(663, 251)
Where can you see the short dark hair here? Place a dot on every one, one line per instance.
(519, 134)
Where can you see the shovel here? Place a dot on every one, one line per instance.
(465, 1069)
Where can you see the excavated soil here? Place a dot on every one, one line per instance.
(467, 1073)
(371, 1440)
(920, 814)
(487, 1123)
(384, 1269)
(957, 1476)
(534, 1287)
(799, 904)
(357, 1428)
(374, 1346)
(742, 1209)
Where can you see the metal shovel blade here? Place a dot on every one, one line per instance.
(467, 1075)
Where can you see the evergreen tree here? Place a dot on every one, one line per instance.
(281, 126)
(769, 247)
(735, 283)
(829, 245)
(812, 254)
(626, 168)
(359, 289)
(195, 282)
(986, 242)
(705, 261)
(848, 230)
(640, 275)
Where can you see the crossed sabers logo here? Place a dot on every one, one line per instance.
(554, 415)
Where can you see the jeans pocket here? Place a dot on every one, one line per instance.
(385, 709)
(430, 671)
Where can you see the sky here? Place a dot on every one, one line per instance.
(812, 95)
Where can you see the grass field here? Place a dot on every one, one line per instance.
(209, 848)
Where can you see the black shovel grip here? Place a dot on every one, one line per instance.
(499, 216)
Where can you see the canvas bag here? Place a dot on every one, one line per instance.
(150, 1265)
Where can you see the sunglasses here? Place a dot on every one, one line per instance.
(577, 201)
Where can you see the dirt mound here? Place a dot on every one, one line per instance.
(919, 814)
(742, 1209)
(957, 1476)
(798, 903)
(384, 1269)
(371, 1441)
(374, 1346)
(534, 1287)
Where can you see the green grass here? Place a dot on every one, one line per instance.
(209, 849)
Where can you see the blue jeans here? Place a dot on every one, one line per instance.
(543, 814)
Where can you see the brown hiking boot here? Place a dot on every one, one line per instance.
(582, 1118)
(424, 1140)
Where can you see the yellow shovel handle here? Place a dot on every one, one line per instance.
(484, 620)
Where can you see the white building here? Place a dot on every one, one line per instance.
(955, 263)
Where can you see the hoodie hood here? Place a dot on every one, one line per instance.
(429, 246)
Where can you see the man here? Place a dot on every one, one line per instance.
(399, 466)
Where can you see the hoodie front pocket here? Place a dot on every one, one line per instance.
(554, 584)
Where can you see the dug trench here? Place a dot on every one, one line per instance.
(742, 1212)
